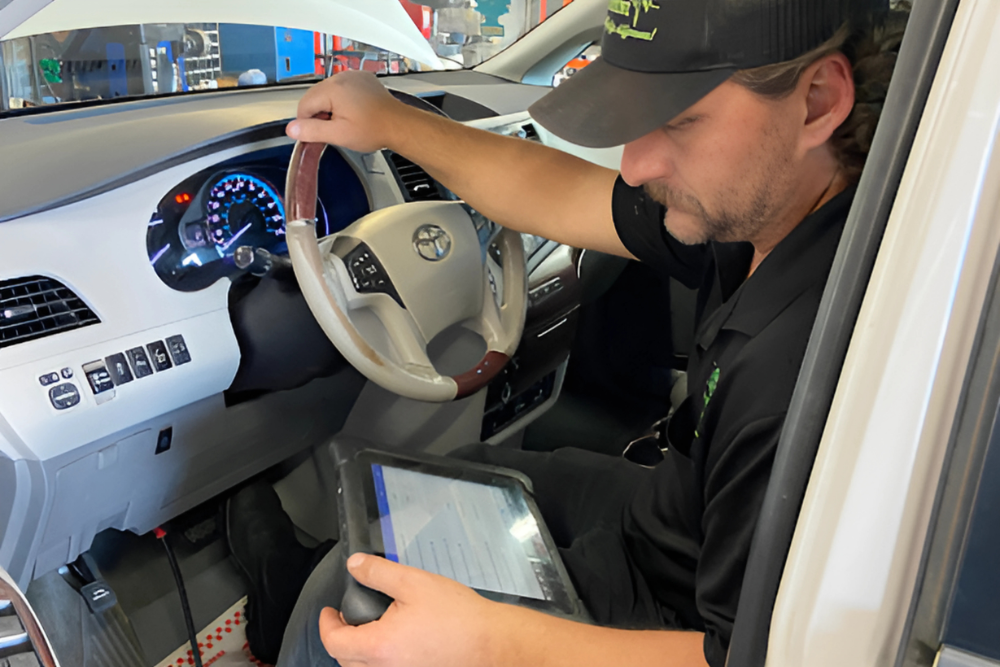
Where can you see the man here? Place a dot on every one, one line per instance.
(743, 140)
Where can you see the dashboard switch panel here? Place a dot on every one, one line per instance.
(119, 370)
(545, 290)
(158, 353)
(140, 362)
(100, 381)
(64, 396)
(178, 350)
(49, 378)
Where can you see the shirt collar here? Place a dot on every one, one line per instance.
(798, 262)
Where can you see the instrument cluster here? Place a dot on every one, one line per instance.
(193, 234)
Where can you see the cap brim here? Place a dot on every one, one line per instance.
(602, 105)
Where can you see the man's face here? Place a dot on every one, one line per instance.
(724, 167)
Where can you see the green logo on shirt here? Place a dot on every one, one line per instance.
(713, 382)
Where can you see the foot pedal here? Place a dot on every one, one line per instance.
(99, 596)
(83, 575)
(200, 526)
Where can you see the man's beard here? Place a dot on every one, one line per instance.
(741, 212)
(734, 220)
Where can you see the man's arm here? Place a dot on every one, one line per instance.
(437, 622)
(520, 184)
(533, 638)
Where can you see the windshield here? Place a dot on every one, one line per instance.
(163, 59)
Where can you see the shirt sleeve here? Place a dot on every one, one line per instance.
(639, 223)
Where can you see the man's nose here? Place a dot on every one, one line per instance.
(646, 159)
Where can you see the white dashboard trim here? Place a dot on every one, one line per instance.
(91, 250)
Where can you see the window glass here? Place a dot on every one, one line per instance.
(590, 54)
(162, 59)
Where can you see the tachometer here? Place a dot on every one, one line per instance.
(243, 210)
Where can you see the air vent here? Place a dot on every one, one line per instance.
(418, 184)
(36, 307)
(529, 132)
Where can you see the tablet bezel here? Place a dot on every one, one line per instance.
(561, 598)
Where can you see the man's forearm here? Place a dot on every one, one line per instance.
(526, 637)
(520, 184)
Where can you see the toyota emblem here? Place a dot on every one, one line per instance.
(432, 243)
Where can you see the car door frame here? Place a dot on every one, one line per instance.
(927, 33)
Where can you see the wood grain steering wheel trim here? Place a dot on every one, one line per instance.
(472, 381)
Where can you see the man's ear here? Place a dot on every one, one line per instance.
(829, 97)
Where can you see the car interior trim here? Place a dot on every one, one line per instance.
(475, 379)
(240, 138)
(541, 48)
(27, 619)
(158, 138)
(899, 390)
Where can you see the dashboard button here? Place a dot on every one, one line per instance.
(118, 368)
(368, 274)
(100, 381)
(159, 356)
(178, 350)
(49, 378)
(64, 396)
(164, 439)
(140, 362)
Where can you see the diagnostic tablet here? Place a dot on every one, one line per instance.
(472, 523)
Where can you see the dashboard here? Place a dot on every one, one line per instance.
(199, 224)
(97, 430)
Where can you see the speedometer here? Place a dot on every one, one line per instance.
(243, 210)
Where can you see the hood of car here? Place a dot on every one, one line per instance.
(381, 23)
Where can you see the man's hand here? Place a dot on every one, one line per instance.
(519, 184)
(362, 113)
(433, 622)
(436, 622)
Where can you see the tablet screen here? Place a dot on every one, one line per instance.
(480, 535)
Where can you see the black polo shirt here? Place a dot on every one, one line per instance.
(689, 526)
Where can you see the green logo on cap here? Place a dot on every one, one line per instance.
(632, 9)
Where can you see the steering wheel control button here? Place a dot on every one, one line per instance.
(100, 381)
(368, 274)
(118, 368)
(432, 243)
(158, 353)
(64, 396)
(178, 350)
(140, 362)
(49, 378)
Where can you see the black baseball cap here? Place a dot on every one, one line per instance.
(659, 57)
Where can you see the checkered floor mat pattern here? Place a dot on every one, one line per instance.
(222, 644)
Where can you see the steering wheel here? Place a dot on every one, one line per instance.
(419, 268)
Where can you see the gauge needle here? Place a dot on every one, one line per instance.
(225, 246)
